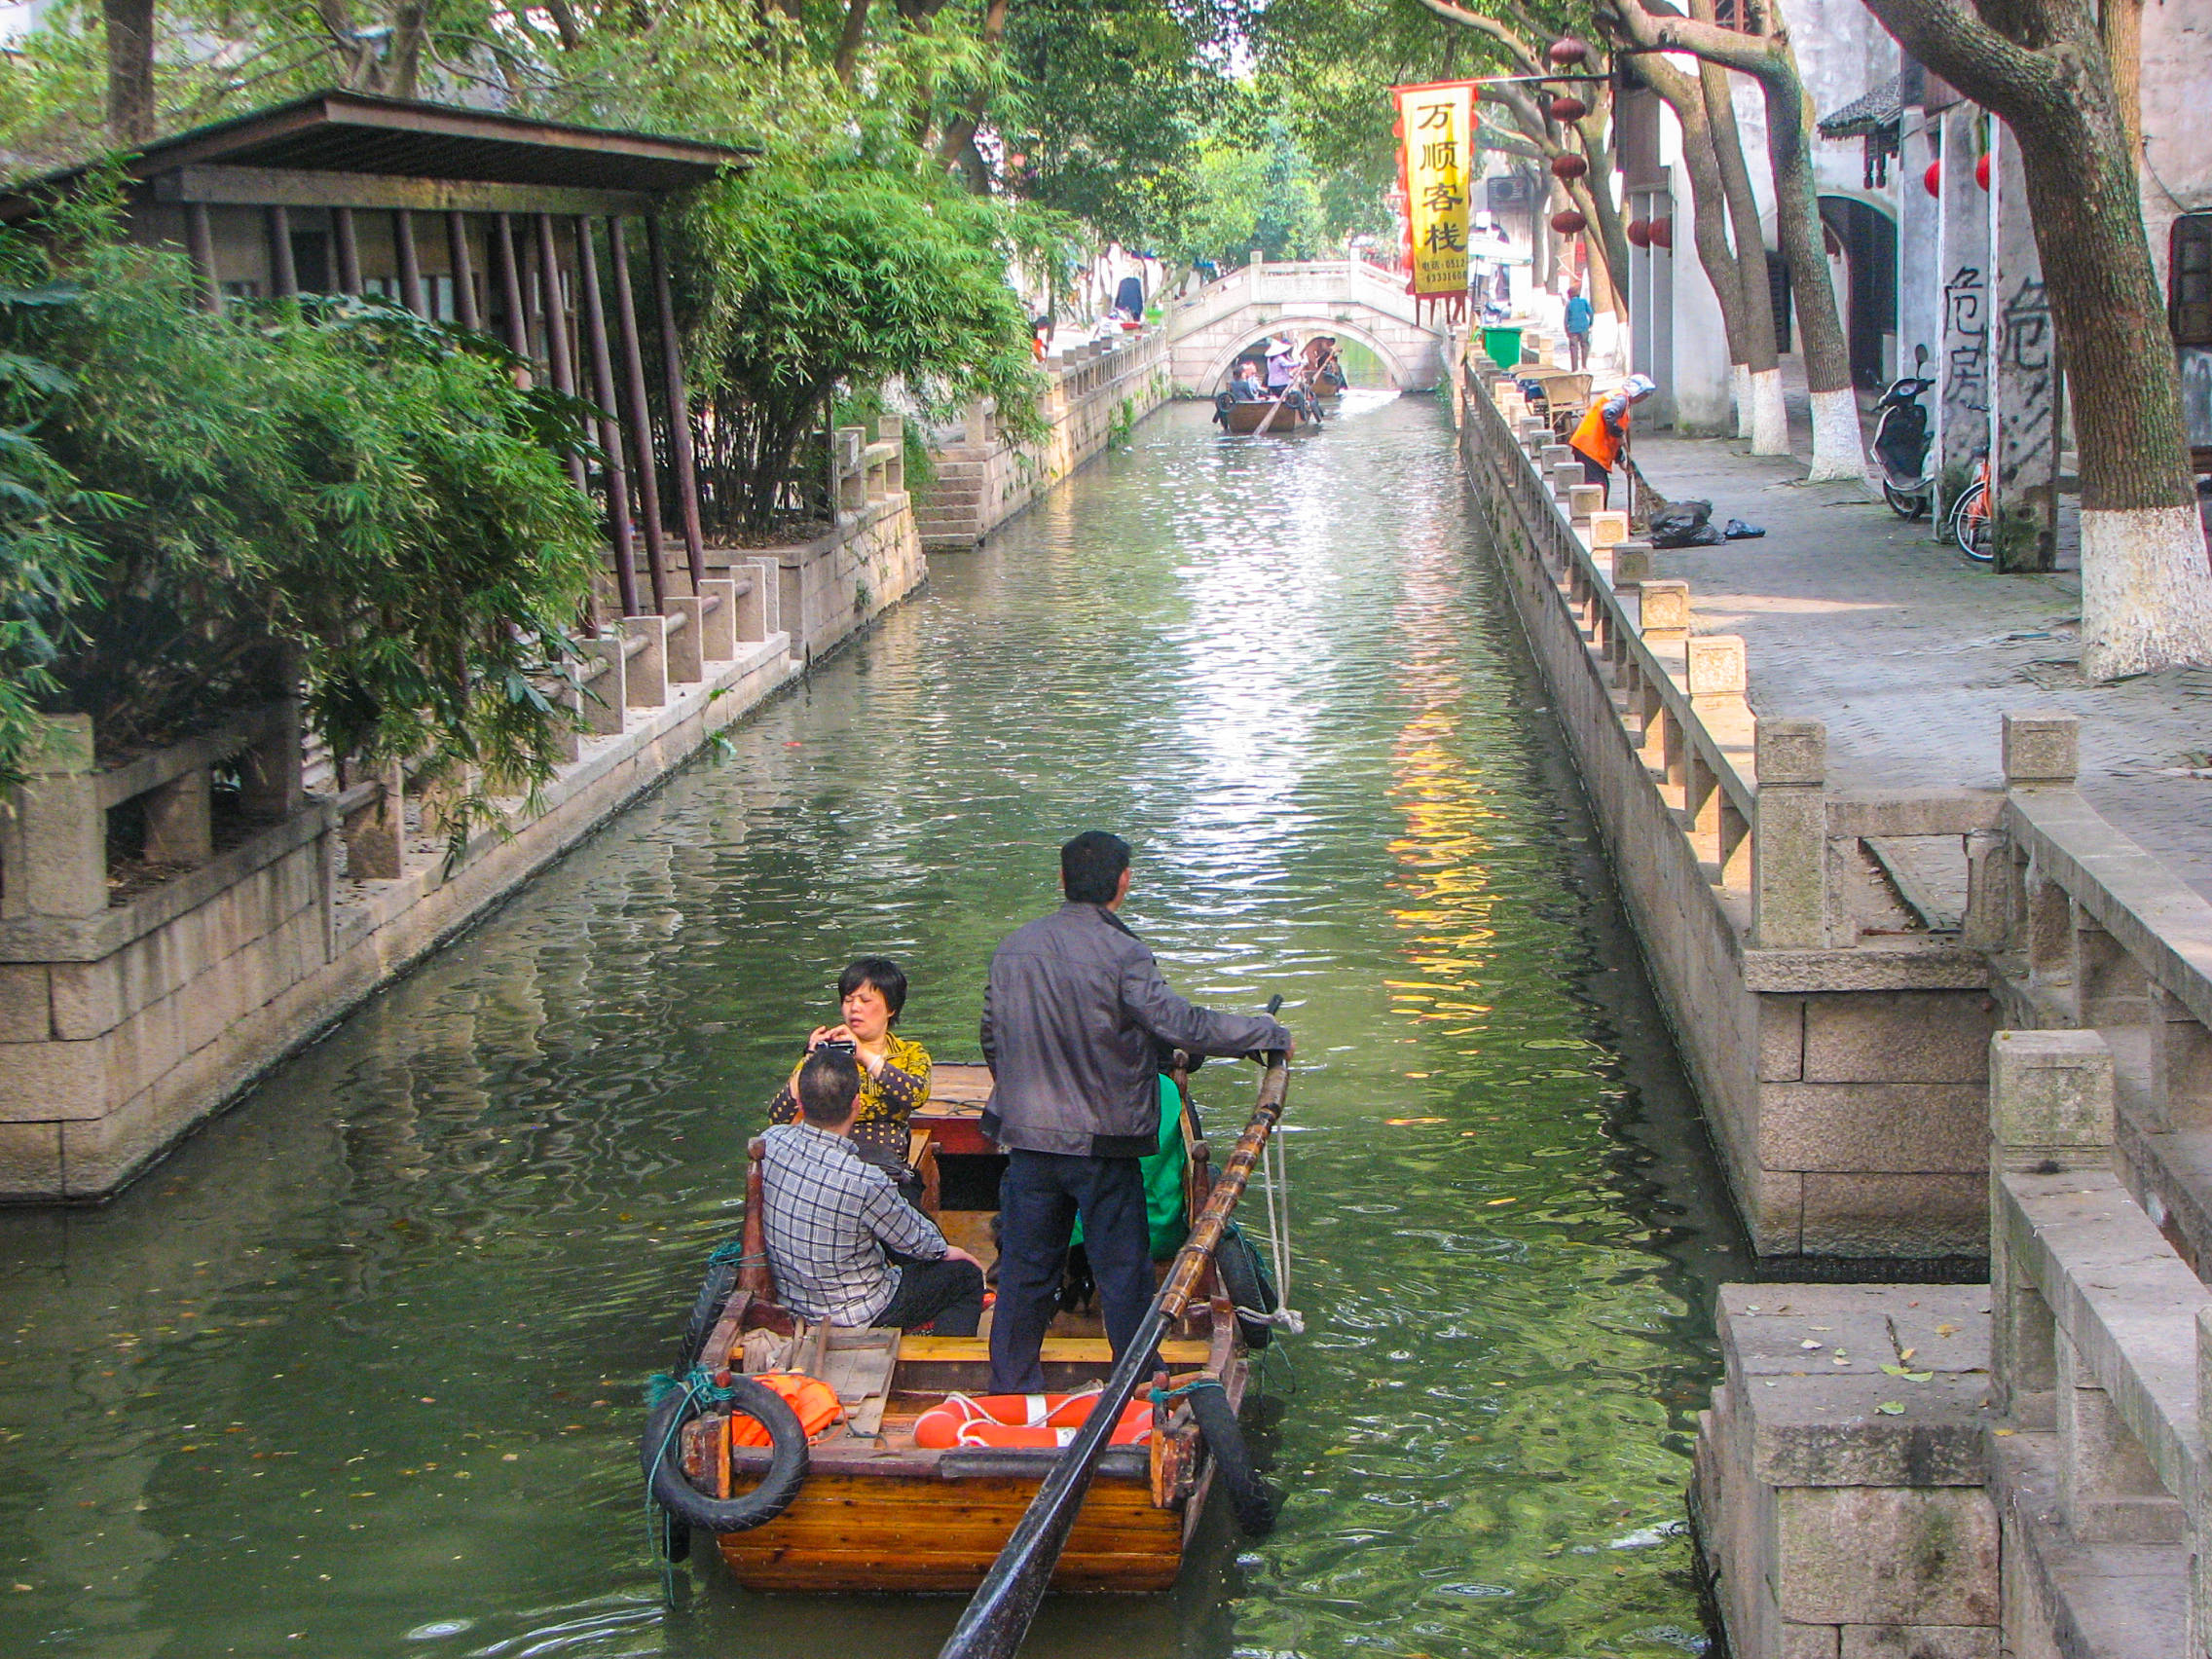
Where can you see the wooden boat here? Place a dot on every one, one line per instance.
(876, 1512)
(1244, 419)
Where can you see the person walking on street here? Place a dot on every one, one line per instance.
(1603, 437)
(1074, 1016)
(1580, 320)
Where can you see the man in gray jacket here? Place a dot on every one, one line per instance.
(1076, 1017)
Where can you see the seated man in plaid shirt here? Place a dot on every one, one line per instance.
(844, 1247)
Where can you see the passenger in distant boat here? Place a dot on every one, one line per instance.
(1075, 1012)
(1282, 365)
(1243, 388)
(843, 1246)
(894, 1070)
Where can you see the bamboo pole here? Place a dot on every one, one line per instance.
(284, 274)
(637, 411)
(349, 250)
(679, 404)
(464, 264)
(610, 428)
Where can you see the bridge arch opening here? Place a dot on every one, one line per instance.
(1393, 371)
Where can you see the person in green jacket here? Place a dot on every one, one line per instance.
(1163, 1169)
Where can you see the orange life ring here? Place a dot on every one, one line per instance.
(1022, 1419)
(811, 1400)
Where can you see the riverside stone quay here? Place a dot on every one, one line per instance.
(1924, 1024)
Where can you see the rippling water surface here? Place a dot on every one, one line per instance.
(355, 1372)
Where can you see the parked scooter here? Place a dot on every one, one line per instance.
(1902, 441)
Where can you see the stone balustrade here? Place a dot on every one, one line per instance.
(242, 913)
(1095, 388)
(1837, 1031)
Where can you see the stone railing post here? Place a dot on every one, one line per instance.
(272, 784)
(375, 837)
(2050, 1109)
(718, 600)
(2200, 1522)
(2042, 752)
(606, 698)
(686, 644)
(180, 826)
(1789, 835)
(644, 683)
(55, 839)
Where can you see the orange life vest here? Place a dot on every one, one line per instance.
(1022, 1419)
(812, 1401)
(1597, 440)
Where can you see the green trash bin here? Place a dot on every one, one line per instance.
(1504, 348)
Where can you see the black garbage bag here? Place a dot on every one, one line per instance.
(1737, 531)
(1705, 535)
(1677, 524)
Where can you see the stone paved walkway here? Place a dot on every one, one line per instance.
(1910, 654)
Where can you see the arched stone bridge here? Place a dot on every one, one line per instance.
(1349, 298)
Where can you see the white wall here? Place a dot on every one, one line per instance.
(2176, 119)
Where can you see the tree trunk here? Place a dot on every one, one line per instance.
(1709, 211)
(1840, 450)
(2145, 586)
(130, 70)
(849, 42)
(1768, 423)
(1605, 214)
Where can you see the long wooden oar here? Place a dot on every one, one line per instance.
(998, 1616)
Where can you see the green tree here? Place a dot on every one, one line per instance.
(343, 496)
(820, 271)
(1249, 197)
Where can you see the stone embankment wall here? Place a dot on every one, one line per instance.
(1935, 1471)
(1809, 945)
(982, 480)
(129, 1013)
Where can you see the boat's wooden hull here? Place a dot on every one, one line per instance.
(854, 1532)
(1244, 419)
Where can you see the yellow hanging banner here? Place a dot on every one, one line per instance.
(1436, 162)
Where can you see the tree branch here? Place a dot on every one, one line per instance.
(1522, 55)
(2000, 74)
(1670, 31)
(849, 42)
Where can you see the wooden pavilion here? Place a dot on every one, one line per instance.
(513, 226)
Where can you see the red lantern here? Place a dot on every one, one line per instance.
(1662, 232)
(1567, 52)
(1569, 109)
(1639, 232)
(1568, 166)
(1569, 223)
(1981, 170)
(1932, 179)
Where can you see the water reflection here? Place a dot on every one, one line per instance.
(355, 1372)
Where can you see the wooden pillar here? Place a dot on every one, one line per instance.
(349, 250)
(679, 405)
(199, 246)
(463, 272)
(284, 276)
(559, 358)
(510, 286)
(637, 414)
(410, 266)
(610, 428)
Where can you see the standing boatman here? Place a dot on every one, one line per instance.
(1075, 1014)
(1603, 433)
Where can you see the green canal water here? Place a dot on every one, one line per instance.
(356, 1371)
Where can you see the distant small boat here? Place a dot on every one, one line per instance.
(1271, 415)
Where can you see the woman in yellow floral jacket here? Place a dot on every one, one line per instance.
(894, 1070)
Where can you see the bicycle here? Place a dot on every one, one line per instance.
(1971, 523)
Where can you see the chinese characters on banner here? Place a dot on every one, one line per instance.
(1436, 160)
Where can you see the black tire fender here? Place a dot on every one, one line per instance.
(707, 1311)
(692, 1508)
(1244, 1277)
(1252, 1500)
